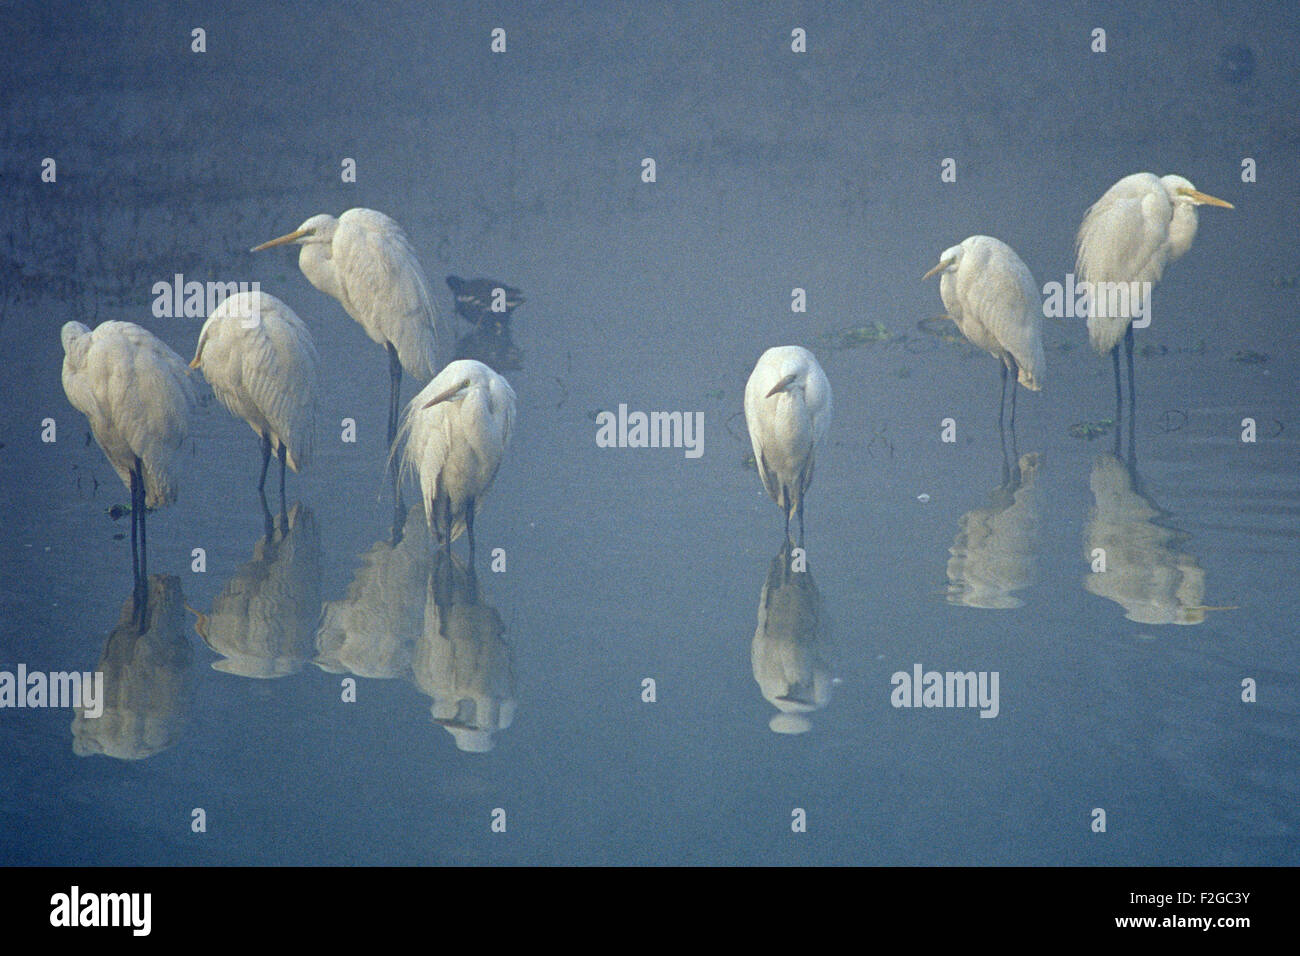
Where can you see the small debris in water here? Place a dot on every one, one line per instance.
(856, 336)
(1091, 430)
(922, 497)
(1247, 357)
(118, 511)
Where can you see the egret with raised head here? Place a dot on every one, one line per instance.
(364, 260)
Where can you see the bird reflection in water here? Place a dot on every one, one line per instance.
(1146, 571)
(488, 305)
(148, 688)
(792, 648)
(263, 622)
(461, 660)
(995, 552)
(372, 630)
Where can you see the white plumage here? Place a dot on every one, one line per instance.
(138, 397)
(1131, 234)
(791, 648)
(263, 367)
(462, 661)
(364, 260)
(453, 437)
(148, 689)
(991, 296)
(371, 630)
(263, 622)
(788, 411)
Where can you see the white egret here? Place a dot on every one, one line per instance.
(788, 410)
(1131, 234)
(453, 436)
(364, 260)
(992, 297)
(262, 365)
(138, 397)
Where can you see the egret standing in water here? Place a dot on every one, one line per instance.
(138, 397)
(787, 410)
(364, 260)
(453, 436)
(262, 365)
(1139, 226)
(991, 295)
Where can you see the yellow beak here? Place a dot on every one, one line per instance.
(449, 393)
(939, 268)
(195, 362)
(1204, 199)
(291, 237)
(782, 385)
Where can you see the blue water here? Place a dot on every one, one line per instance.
(775, 170)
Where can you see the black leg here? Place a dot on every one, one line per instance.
(799, 510)
(1132, 391)
(268, 523)
(135, 528)
(284, 454)
(469, 528)
(1119, 398)
(1002, 397)
(144, 513)
(785, 507)
(446, 524)
(1012, 370)
(266, 460)
(395, 379)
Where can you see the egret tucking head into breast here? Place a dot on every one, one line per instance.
(453, 438)
(991, 296)
(788, 412)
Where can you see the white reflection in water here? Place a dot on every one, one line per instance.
(148, 687)
(791, 650)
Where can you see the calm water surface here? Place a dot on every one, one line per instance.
(522, 690)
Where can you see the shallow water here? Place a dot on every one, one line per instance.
(773, 171)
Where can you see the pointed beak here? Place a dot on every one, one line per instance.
(291, 237)
(449, 393)
(939, 268)
(1204, 199)
(195, 362)
(782, 385)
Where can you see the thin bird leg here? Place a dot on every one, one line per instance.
(1014, 372)
(144, 540)
(1006, 465)
(446, 523)
(283, 456)
(785, 506)
(268, 522)
(1119, 399)
(469, 529)
(135, 528)
(1002, 398)
(799, 510)
(1132, 391)
(266, 460)
(395, 377)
